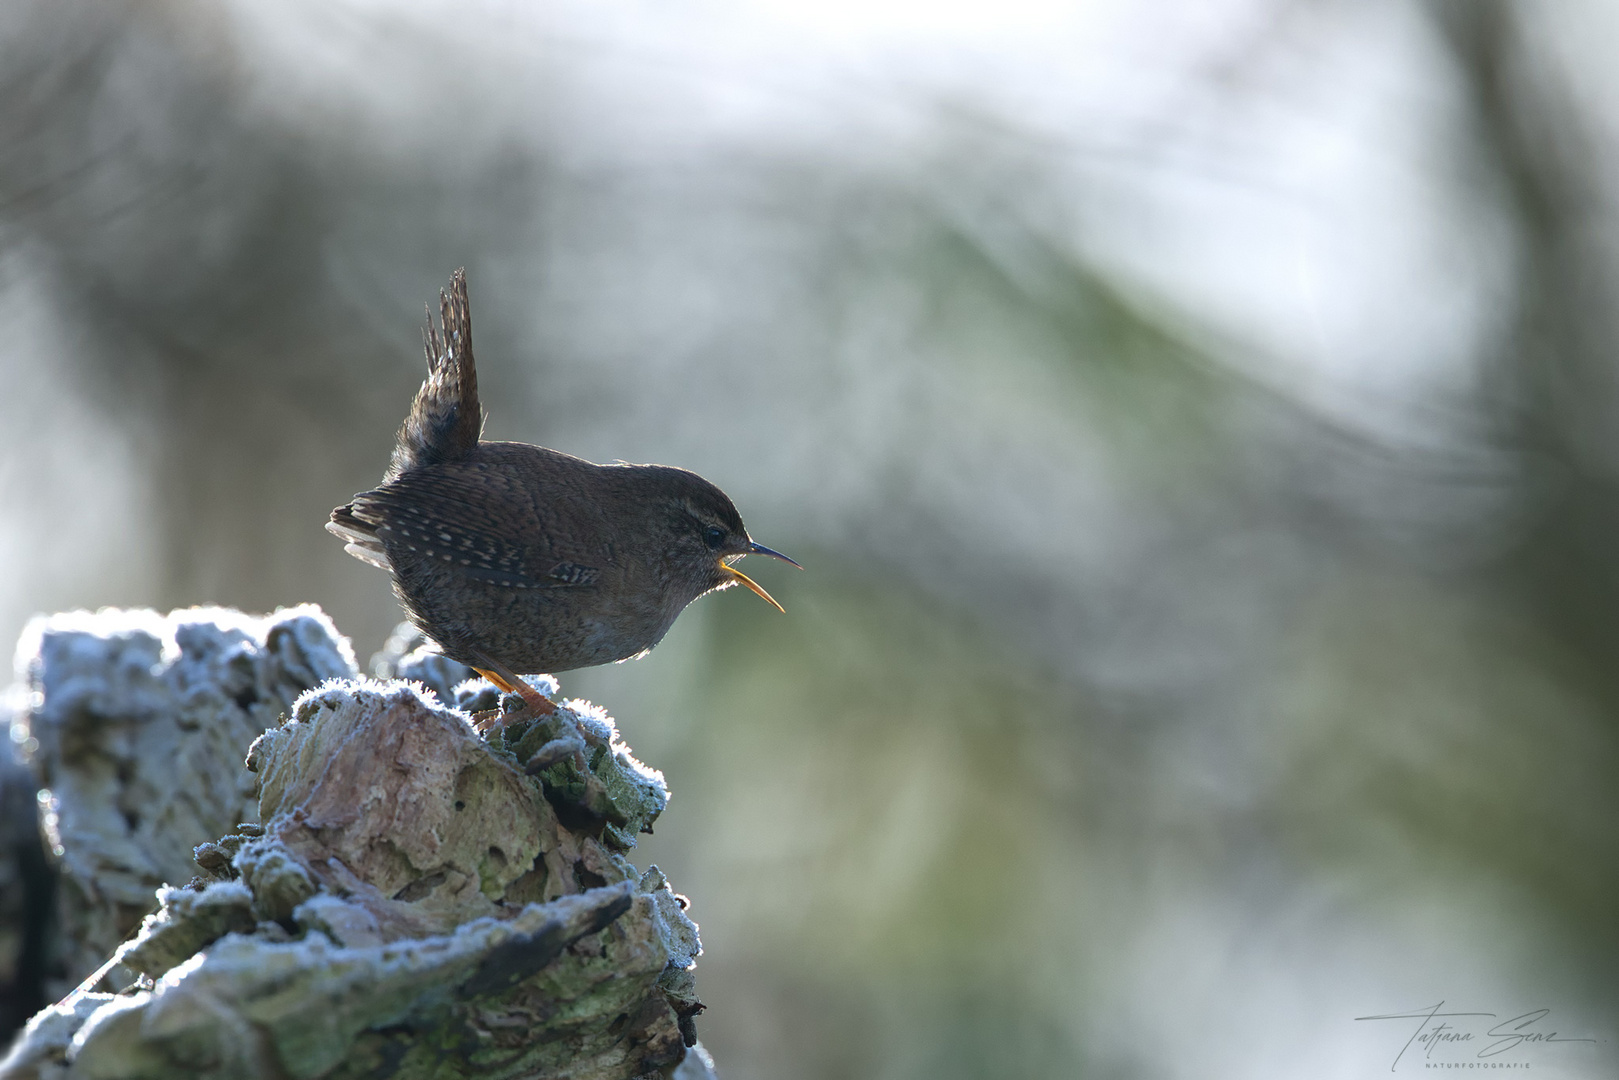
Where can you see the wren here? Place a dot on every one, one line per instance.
(518, 559)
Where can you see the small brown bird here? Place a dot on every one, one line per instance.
(518, 559)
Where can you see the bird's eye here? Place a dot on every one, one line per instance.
(714, 536)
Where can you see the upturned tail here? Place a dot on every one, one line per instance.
(445, 420)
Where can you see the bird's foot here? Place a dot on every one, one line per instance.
(510, 713)
(571, 741)
(535, 704)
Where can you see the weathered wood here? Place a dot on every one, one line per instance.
(405, 898)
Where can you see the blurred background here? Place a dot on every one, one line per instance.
(1200, 423)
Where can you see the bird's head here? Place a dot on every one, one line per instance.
(706, 534)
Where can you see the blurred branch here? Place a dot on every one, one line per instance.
(1557, 396)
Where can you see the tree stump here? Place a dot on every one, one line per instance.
(379, 891)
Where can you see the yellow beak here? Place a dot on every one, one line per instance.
(744, 579)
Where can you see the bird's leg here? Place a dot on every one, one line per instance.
(497, 673)
(569, 745)
(532, 698)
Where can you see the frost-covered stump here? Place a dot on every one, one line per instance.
(136, 724)
(413, 903)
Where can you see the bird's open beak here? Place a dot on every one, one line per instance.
(743, 579)
(740, 577)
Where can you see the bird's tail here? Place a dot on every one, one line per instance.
(445, 420)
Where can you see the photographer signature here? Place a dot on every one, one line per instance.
(1506, 1035)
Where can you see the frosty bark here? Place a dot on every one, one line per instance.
(405, 899)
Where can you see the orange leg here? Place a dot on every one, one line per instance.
(573, 746)
(497, 673)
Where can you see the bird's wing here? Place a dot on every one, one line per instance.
(501, 539)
